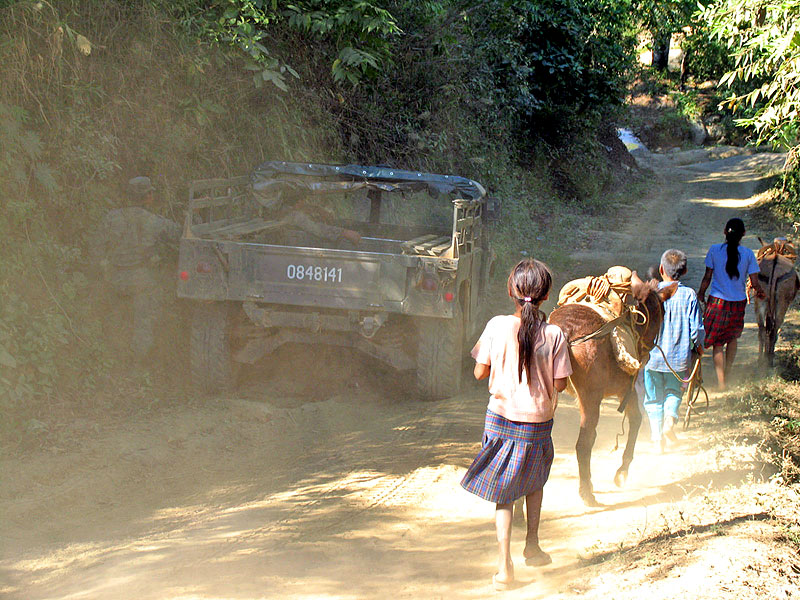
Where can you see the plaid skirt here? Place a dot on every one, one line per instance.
(723, 320)
(514, 460)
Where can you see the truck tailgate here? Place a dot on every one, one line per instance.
(348, 279)
(311, 276)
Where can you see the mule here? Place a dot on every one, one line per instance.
(596, 374)
(781, 283)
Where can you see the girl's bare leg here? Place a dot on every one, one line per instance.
(719, 365)
(730, 355)
(502, 518)
(533, 554)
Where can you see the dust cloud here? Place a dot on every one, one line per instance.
(323, 478)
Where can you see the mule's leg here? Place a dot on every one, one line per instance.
(519, 513)
(590, 415)
(772, 337)
(634, 414)
(760, 308)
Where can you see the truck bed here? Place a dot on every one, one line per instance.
(257, 229)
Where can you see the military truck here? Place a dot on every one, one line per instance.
(407, 293)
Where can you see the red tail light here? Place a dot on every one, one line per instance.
(184, 275)
(449, 296)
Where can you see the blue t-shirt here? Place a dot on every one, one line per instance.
(681, 330)
(722, 286)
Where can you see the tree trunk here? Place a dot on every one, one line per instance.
(661, 41)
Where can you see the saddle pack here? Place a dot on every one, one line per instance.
(610, 296)
(782, 254)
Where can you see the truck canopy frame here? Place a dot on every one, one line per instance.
(322, 178)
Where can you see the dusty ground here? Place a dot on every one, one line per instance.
(350, 490)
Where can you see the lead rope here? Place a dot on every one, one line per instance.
(645, 318)
(620, 434)
(694, 382)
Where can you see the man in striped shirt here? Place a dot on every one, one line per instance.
(681, 332)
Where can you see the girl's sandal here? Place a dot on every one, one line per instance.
(501, 585)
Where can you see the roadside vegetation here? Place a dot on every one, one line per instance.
(769, 411)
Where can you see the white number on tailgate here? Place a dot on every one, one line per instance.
(314, 273)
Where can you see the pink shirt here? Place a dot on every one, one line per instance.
(510, 397)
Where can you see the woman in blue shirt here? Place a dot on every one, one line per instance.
(728, 267)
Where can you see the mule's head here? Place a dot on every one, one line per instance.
(649, 301)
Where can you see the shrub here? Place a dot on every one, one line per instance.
(707, 58)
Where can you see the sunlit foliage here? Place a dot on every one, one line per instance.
(356, 33)
(764, 41)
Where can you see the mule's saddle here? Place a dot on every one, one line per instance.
(610, 296)
(783, 255)
(779, 247)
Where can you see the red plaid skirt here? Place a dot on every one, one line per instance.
(513, 462)
(723, 320)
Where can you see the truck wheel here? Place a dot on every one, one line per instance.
(211, 364)
(440, 357)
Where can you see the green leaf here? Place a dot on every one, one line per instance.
(83, 44)
(275, 78)
(44, 176)
(6, 359)
(31, 144)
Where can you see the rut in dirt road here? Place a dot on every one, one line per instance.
(356, 496)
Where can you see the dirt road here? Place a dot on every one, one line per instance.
(356, 495)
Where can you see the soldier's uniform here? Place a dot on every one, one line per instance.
(127, 246)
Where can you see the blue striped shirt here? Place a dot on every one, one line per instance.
(681, 330)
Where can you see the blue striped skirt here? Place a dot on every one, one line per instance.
(514, 460)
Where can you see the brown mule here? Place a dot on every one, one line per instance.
(596, 374)
(780, 283)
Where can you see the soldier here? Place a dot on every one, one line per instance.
(129, 245)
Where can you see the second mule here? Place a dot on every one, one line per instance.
(597, 372)
(781, 283)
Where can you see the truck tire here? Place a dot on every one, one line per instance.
(440, 357)
(211, 365)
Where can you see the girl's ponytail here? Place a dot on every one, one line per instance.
(528, 284)
(531, 319)
(734, 232)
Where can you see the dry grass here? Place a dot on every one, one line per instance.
(767, 411)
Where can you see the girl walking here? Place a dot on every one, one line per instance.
(728, 267)
(527, 363)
